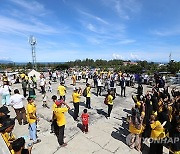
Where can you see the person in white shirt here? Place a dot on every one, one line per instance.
(99, 86)
(42, 84)
(5, 92)
(16, 101)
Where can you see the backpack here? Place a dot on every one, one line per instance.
(106, 100)
(85, 92)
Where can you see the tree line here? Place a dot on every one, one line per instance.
(117, 65)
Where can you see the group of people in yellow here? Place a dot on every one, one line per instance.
(155, 118)
(7, 125)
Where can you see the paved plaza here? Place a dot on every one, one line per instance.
(105, 136)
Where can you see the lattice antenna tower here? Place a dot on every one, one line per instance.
(33, 42)
(170, 57)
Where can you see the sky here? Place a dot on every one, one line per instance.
(67, 30)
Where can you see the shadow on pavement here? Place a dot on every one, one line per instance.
(100, 111)
(82, 104)
(71, 112)
(121, 132)
(94, 93)
(80, 126)
(127, 111)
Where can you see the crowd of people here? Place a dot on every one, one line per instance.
(154, 116)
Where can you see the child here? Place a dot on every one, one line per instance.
(44, 98)
(50, 87)
(85, 120)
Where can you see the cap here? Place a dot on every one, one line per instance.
(4, 110)
(59, 102)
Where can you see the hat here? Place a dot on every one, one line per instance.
(4, 110)
(59, 102)
(7, 123)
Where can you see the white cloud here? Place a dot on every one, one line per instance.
(32, 6)
(167, 32)
(126, 41)
(94, 40)
(94, 17)
(134, 56)
(117, 56)
(124, 8)
(9, 25)
(91, 27)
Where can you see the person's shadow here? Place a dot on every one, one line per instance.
(71, 113)
(127, 111)
(82, 104)
(121, 132)
(80, 126)
(100, 111)
(94, 93)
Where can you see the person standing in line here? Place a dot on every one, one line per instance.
(61, 120)
(88, 97)
(32, 120)
(110, 103)
(85, 121)
(123, 86)
(24, 86)
(76, 100)
(62, 91)
(16, 101)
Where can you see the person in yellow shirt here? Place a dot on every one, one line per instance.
(32, 120)
(88, 97)
(157, 133)
(76, 99)
(6, 132)
(61, 91)
(61, 120)
(135, 128)
(110, 103)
